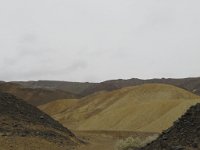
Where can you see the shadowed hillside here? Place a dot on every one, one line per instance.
(22, 126)
(36, 96)
(146, 108)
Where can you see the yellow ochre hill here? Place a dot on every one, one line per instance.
(143, 108)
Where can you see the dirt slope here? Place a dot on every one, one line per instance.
(35, 96)
(58, 106)
(183, 135)
(21, 123)
(146, 108)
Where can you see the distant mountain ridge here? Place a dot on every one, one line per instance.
(73, 87)
(84, 89)
(190, 84)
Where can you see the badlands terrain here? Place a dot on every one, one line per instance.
(96, 116)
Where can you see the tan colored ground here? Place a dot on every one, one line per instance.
(145, 108)
(95, 140)
(99, 142)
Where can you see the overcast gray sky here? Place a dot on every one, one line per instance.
(96, 40)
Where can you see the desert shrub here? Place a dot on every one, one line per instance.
(149, 139)
(131, 142)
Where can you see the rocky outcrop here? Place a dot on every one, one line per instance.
(19, 119)
(183, 135)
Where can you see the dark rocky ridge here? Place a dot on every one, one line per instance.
(21, 119)
(183, 135)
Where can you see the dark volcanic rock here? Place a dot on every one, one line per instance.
(21, 119)
(183, 135)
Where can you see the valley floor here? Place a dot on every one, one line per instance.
(105, 140)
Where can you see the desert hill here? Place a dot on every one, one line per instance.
(22, 126)
(145, 108)
(36, 96)
(184, 134)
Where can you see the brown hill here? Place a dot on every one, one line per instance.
(146, 108)
(36, 96)
(183, 135)
(22, 126)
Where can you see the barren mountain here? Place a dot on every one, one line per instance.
(36, 96)
(183, 135)
(145, 108)
(22, 126)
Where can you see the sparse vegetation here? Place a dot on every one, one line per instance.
(132, 143)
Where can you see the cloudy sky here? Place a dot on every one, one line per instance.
(96, 40)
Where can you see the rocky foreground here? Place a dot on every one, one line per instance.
(20, 120)
(183, 135)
